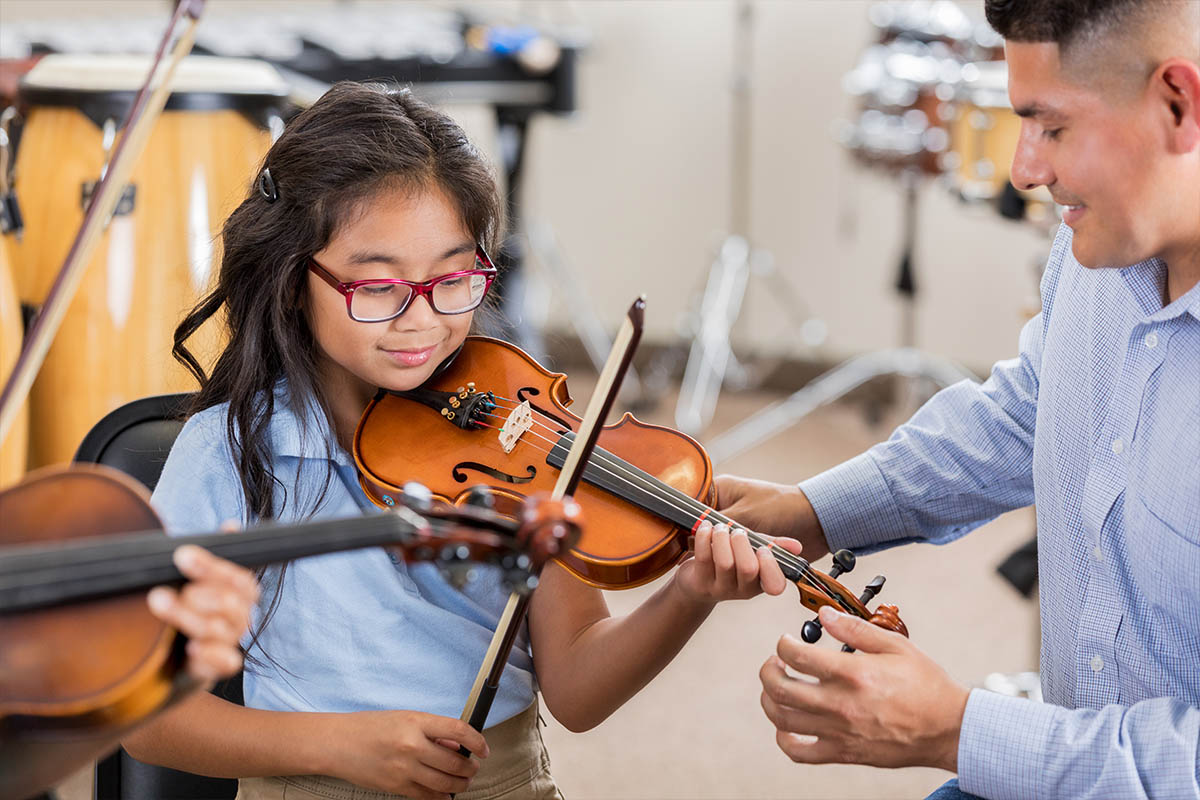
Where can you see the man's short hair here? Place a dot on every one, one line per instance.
(1065, 22)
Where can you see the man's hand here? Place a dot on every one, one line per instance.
(776, 509)
(212, 610)
(887, 705)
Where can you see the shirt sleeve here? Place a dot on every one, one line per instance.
(1011, 748)
(199, 489)
(964, 458)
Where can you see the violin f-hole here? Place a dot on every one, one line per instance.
(461, 477)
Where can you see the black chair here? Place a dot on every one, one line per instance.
(136, 439)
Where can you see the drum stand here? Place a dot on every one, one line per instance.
(905, 361)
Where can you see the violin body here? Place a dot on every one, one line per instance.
(77, 677)
(624, 545)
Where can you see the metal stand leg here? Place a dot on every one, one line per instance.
(828, 387)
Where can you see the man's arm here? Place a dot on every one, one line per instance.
(1014, 748)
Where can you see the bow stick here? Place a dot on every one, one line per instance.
(488, 680)
(146, 108)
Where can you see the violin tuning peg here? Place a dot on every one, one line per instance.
(417, 496)
(811, 632)
(871, 589)
(843, 561)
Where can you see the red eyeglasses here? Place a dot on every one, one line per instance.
(380, 300)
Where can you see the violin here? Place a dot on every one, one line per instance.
(82, 659)
(493, 416)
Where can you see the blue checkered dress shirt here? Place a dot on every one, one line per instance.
(1098, 422)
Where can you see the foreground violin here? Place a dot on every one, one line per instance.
(82, 659)
(494, 416)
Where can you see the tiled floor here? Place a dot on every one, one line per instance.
(698, 732)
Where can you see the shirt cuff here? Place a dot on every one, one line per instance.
(1002, 746)
(855, 505)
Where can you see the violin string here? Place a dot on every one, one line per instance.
(691, 507)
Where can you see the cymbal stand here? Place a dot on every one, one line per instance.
(906, 361)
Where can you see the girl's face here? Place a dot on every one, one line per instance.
(408, 234)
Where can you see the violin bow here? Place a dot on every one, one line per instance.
(487, 681)
(147, 106)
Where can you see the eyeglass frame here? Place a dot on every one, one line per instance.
(418, 288)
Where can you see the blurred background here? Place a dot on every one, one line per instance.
(812, 195)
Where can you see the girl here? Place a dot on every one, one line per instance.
(356, 263)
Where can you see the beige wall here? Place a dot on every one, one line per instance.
(637, 184)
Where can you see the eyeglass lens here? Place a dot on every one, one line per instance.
(377, 301)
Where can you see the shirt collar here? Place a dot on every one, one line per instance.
(1146, 281)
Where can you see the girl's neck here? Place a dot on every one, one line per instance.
(347, 396)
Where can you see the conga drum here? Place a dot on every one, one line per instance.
(160, 251)
(15, 446)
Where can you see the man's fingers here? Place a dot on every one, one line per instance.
(793, 720)
(788, 691)
(822, 664)
(803, 750)
(860, 634)
(445, 758)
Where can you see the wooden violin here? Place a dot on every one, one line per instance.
(82, 659)
(494, 416)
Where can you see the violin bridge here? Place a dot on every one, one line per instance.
(518, 422)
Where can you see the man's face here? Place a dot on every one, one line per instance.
(1093, 145)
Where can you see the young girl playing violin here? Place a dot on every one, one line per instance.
(355, 263)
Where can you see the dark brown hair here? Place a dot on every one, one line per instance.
(1065, 22)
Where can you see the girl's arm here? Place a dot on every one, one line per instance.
(405, 752)
(589, 663)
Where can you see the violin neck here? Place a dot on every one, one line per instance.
(634, 485)
(39, 577)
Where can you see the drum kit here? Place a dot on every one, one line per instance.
(933, 102)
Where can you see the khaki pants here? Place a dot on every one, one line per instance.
(518, 767)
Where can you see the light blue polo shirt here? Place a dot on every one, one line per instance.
(353, 631)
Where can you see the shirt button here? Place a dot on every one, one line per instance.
(1098, 553)
(1097, 663)
(1118, 447)
(1151, 340)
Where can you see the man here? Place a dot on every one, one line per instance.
(1097, 421)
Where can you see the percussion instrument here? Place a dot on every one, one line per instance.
(14, 447)
(984, 133)
(160, 249)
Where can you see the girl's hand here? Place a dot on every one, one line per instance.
(407, 752)
(725, 566)
(212, 610)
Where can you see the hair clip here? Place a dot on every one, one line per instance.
(266, 186)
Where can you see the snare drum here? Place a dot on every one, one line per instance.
(159, 253)
(983, 132)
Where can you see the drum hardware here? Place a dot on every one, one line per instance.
(10, 209)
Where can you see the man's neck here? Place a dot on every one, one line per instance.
(1183, 271)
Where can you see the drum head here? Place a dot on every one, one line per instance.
(104, 86)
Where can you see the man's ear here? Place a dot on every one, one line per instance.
(1176, 88)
